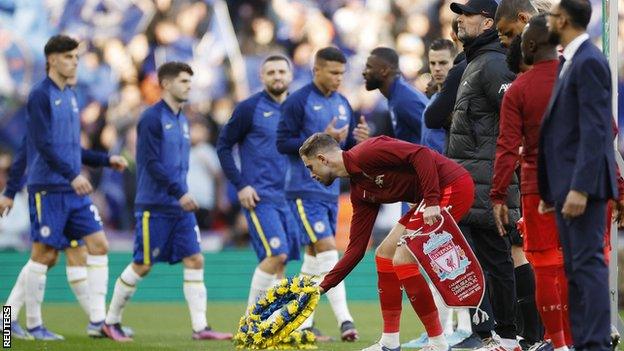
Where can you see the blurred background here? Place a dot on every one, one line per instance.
(124, 41)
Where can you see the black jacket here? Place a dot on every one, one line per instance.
(474, 126)
(438, 112)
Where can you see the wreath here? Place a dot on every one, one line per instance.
(292, 301)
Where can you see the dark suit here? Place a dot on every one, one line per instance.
(576, 153)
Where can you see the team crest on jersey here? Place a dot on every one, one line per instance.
(379, 180)
(448, 260)
(319, 227)
(275, 243)
(45, 231)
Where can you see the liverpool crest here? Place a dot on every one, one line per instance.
(448, 260)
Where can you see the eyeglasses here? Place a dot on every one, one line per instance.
(552, 14)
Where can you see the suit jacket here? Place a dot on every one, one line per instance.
(576, 137)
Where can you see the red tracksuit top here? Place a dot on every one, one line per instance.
(387, 170)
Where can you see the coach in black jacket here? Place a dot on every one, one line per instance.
(472, 143)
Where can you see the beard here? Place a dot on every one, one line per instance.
(277, 90)
(372, 83)
(554, 38)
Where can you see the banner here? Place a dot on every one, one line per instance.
(445, 256)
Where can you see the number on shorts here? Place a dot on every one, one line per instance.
(96, 214)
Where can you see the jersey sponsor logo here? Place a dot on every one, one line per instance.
(342, 110)
(275, 243)
(379, 180)
(317, 107)
(168, 126)
(57, 102)
(504, 87)
(319, 227)
(267, 113)
(45, 231)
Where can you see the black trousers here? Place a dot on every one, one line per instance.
(494, 255)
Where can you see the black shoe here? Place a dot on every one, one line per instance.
(348, 331)
(472, 342)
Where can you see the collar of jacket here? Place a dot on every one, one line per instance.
(459, 58)
(487, 41)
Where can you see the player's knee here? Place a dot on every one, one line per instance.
(141, 269)
(401, 257)
(194, 262)
(326, 244)
(273, 264)
(76, 256)
(97, 244)
(48, 256)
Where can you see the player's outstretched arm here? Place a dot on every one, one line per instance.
(16, 173)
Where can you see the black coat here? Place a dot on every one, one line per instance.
(475, 122)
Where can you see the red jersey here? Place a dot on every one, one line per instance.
(521, 116)
(387, 170)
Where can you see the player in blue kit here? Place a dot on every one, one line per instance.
(317, 107)
(60, 209)
(166, 228)
(260, 181)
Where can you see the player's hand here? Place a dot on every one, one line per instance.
(6, 203)
(501, 217)
(321, 290)
(361, 131)
(188, 203)
(544, 208)
(431, 214)
(618, 213)
(82, 185)
(574, 205)
(118, 163)
(248, 197)
(340, 134)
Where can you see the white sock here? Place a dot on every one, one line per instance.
(17, 296)
(124, 289)
(97, 280)
(562, 348)
(443, 311)
(338, 295)
(77, 279)
(195, 294)
(390, 340)
(508, 344)
(463, 320)
(34, 288)
(448, 327)
(309, 267)
(260, 283)
(439, 342)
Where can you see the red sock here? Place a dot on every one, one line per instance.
(549, 303)
(420, 297)
(562, 283)
(390, 295)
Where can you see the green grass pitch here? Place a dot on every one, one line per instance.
(166, 326)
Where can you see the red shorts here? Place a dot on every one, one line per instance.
(540, 230)
(459, 195)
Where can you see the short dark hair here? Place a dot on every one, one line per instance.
(514, 54)
(443, 44)
(580, 12)
(316, 143)
(330, 53)
(539, 24)
(509, 9)
(58, 44)
(276, 57)
(388, 55)
(172, 69)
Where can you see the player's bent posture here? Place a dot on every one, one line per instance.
(386, 170)
(260, 180)
(315, 108)
(166, 228)
(60, 209)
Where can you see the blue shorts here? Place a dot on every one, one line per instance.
(316, 219)
(273, 231)
(62, 219)
(165, 238)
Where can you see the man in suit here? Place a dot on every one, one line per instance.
(577, 170)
